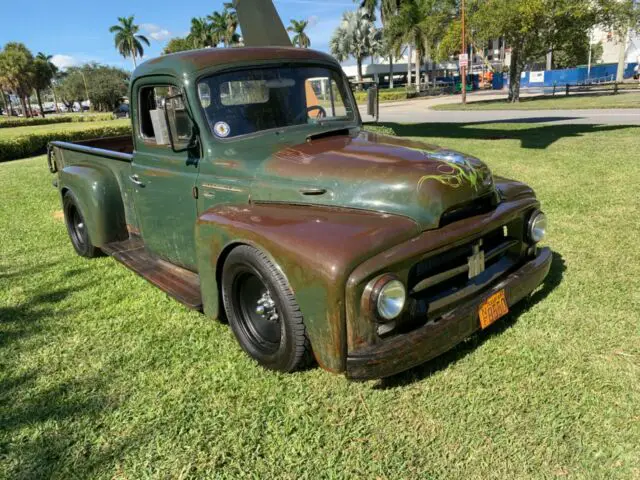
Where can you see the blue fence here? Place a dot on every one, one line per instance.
(574, 76)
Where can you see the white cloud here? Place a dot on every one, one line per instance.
(156, 32)
(65, 61)
(313, 20)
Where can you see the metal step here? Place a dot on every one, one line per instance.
(177, 282)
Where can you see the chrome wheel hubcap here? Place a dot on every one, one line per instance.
(266, 307)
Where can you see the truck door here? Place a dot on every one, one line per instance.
(163, 180)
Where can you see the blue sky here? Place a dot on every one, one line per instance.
(77, 31)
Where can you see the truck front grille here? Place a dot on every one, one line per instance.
(437, 282)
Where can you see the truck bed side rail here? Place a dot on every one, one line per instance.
(100, 152)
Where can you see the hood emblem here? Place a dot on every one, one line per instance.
(455, 170)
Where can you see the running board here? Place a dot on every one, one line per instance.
(177, 282)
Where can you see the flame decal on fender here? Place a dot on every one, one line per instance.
(455, 170)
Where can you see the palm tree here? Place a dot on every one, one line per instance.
(201, 34)
(300, 38)
(409, 26)
(128, 41)
(353, 38)
(388, 8)
(16, 67)
(232, 23)
(224, 26)
(54, 75)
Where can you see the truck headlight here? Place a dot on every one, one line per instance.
(391, 299)
(537, 226)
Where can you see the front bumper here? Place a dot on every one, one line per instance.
(404, 351)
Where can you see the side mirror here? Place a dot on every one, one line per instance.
(180, 127)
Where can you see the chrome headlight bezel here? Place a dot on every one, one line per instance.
(536, 226)
(387, 297)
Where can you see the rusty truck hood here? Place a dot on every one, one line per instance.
(374, 172)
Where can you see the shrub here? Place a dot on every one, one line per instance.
(386, 95)
(27, 122)
(32, 143)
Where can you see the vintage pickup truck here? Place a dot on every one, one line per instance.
(250, 190)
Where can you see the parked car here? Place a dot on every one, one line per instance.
(250, 190)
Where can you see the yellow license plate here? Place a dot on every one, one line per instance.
(493, 308)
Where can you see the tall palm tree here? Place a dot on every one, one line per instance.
(388, 8)
(224, 25)
(201, 34)
(353, 38)
(232, 23)
(410, 26)
(128, 41)
(300, 38)
(54, 75)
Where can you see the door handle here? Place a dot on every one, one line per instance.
(136, 179)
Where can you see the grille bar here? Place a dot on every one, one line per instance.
(448, 274)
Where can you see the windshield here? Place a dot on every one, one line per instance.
(243, 102)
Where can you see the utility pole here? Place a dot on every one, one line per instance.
(463, 69)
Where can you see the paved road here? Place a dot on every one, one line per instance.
(418, 111)
(418, 114)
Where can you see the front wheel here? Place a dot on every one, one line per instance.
(263, 312)
(77, 227)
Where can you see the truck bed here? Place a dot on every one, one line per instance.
(122, 144)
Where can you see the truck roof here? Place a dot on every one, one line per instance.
(193, 61)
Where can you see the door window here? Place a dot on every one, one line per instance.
(152, 120)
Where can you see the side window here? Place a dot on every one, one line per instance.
(153, 126)
(324, 92)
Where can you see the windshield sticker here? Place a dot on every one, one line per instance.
(221, 129)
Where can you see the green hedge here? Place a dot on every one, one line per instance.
(9, 122)
(25, 145)
(385, 95)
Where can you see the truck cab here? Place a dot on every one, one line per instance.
(249, 190)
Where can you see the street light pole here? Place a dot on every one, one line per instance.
(463, 70)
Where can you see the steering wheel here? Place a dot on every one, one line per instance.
(322, 113)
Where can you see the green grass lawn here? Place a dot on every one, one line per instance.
(558, 102)
(103, 376)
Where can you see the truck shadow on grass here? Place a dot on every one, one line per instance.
(535, 137)
(554, 278)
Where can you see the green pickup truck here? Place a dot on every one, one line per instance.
(250, 191)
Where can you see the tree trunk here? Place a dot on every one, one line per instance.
(24, 107)
(40, 102)
(359, 69)
(55, 100)
(418, 53)
(514, 76)
(7, 104)
(433, 73)
(134, 60)
(409, 65)
(391, 71)
(623, 39)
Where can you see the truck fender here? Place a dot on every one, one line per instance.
(316, 248)
(100, 200)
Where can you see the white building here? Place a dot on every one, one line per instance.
(611, 45)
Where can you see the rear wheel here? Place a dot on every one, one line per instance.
(77, 227)
(263, 312)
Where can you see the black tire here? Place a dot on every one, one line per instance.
(277, 344)
(76, 227)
